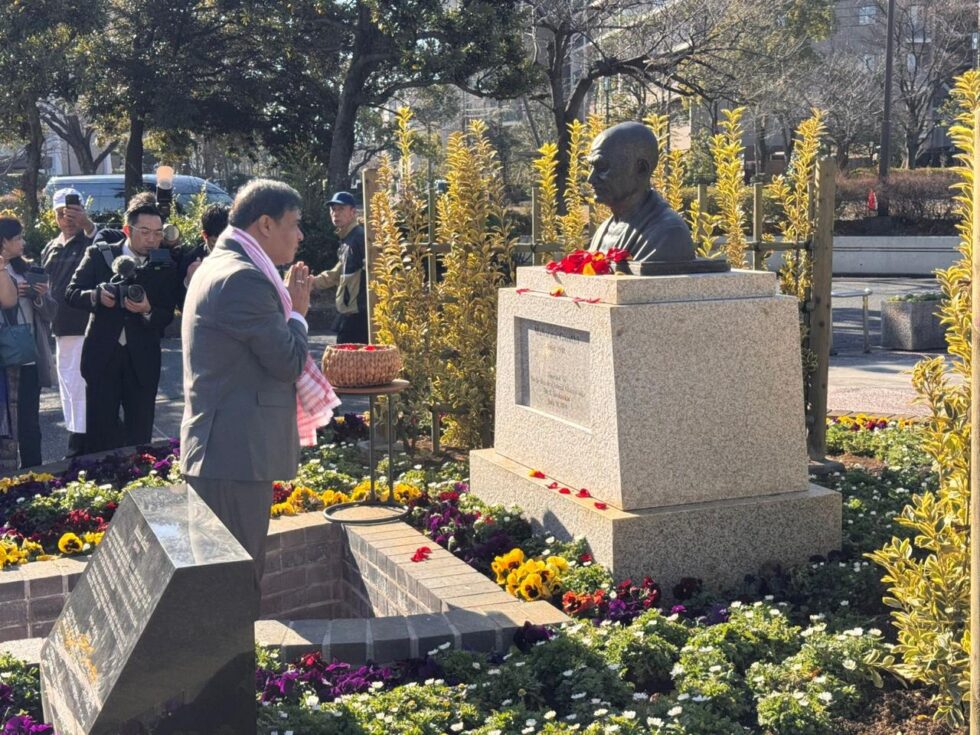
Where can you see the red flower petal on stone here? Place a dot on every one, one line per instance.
(557, 291)
(536, 474)
(600, 505)
(565, 491)
(421, 554)
(522, 290)
(583, 493)
(552, 485)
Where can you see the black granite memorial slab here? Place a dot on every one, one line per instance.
(157, 636)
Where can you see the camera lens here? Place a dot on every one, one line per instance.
(135, 293)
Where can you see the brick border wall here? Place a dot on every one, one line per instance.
(303, 569)
(303, 579)
(351, 592)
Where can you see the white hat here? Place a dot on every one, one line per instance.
(58, 200)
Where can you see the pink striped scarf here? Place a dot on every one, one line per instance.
(315, 398)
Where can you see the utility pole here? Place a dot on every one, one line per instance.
(884, 152)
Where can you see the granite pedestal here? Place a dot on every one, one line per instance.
(675, 401)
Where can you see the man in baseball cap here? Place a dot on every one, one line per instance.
(348, 275)
(60, 258)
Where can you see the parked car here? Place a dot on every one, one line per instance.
(105, 193)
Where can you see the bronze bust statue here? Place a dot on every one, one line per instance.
(657, 238)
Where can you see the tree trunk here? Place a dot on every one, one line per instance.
(134, 155)
(342, 140)
(911, 148)
(29, 182)
(561, 170)
(367, 55)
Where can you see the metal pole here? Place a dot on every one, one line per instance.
(864, 319)
(391, 452)
(975, 445)
(884, 154)
(371, 430)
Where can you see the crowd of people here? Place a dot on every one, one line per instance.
(90, 315)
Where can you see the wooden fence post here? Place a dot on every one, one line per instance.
(975, 444)
(369, 185)
(820, 317)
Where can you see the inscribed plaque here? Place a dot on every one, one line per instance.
(553, 374)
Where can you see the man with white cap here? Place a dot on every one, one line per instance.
(60, 259)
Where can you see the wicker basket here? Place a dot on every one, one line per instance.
(361, 368)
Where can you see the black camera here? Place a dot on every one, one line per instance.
(123, 284)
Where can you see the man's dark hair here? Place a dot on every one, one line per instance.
(263, 196)
(144, 197)
(134, 212)
(214, 220)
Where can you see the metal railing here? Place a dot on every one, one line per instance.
(864, 294)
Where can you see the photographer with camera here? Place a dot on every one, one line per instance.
(214, 220)
(131, 290)
(34, 367)
(60, 259)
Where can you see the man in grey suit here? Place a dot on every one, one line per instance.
(242, 358)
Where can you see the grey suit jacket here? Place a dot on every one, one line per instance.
(241, 362)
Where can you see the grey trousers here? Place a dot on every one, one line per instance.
(244, 509)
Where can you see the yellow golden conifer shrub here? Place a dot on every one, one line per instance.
(474, 222)
(674, 179)
(727, 152)
(598, 213)
(791, 192)
(546, 166)
(404, 306)
(574, 224)
(659, 125)
(928, 576)
(703, 226)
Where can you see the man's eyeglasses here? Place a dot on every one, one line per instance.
(147, 232)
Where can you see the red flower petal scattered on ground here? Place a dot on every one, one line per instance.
(565, 491)
(422, 553)
(580, 300)
(583, 493)
(557, 291)
(522, 290)
(600, 505)
(552, 485)
(536, 473)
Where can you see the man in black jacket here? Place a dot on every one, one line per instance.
(214, 220)
(60, 259)
(121, 352)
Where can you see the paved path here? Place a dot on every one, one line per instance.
(873, 383)
(877, 382)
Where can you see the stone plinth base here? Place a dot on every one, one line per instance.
(718, 541)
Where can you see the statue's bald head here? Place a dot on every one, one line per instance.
(622, 159)
(634, 139)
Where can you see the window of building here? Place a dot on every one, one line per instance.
(866, 14)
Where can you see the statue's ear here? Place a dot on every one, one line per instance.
(643, 168)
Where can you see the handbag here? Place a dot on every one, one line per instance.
(17, 345)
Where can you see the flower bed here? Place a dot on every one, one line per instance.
(790, 651)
